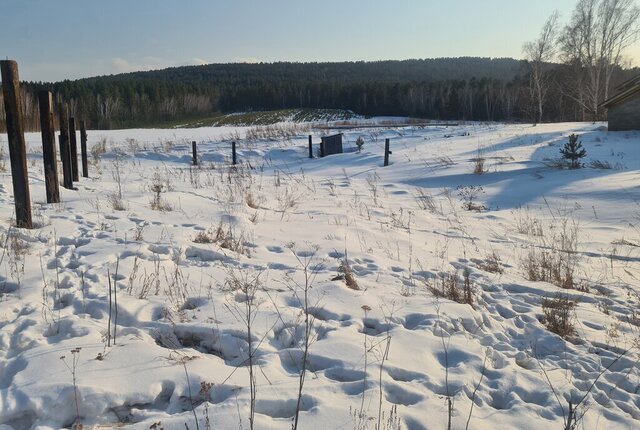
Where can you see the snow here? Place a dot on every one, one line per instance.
(181, 339)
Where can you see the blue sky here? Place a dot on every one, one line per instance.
(54, 40)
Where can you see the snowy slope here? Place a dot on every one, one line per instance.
(182, 347)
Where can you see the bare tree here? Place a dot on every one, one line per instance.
(539, 54)
(594, 43)
(106, 108)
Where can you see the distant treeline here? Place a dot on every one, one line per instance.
(446, 88)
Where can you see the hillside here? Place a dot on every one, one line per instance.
(467, 88)
(435, 88)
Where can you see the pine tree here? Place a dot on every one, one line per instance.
(573, 151)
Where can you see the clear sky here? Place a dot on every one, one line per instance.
(60, 39)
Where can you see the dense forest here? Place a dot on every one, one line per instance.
(446, 88)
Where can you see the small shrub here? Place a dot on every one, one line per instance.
(492, 264)
(287, 200)
(98, 149)
(139, 232)
(132, 145)
(226, 238)
(528, 224)
(116, 202)
(450, 286)
(573, 152)
(555, 258)
(558, 315)
(605, 165)
(360, 143)
(468, 194)
(157, 187)
(203, 237)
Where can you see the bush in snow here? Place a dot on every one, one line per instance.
(558, 315)
(360, 143)
(468, 194)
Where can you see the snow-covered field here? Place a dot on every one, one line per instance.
(222, 245)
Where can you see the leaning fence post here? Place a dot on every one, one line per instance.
(194, 151)
(386, 152)
(45, 101)
(233, 153)
(83, 149)
(310, 147)
(17, 146)
(73, 145)
(65, 156)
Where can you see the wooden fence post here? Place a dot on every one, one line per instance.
(386, 152)
(310, 147)
(83, 149)
(73, 146)
(322, 147)
(45, 101)
(194, 151)
(233, 153)
(17, 146)
(65, 156)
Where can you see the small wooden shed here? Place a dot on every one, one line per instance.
(624, 107)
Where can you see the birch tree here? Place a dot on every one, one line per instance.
(539, 54)
(594, 43)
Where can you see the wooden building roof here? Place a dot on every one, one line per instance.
(624, 91)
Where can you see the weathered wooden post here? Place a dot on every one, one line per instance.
(322, 147)
(386, 152)
(83, 149)
(65, 153)
(73, 146)
(45, 101)
(17, 146)
(233, 153)
(194, 151)
(310, 147)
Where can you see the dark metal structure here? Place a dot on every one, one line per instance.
(331, 145)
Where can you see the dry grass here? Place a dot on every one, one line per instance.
(252, 200)
(559, 315)
(346, 274)
(425, 201)
(479, 167)
(225, 237)
(275, 131)
(527, 224)
(116, 202)
(450, 285)
(554, 258)
(492, 264)
(203, 237)
(157, 187)
(98, 149)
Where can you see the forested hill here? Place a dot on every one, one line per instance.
(447, 88)
(429, 70)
